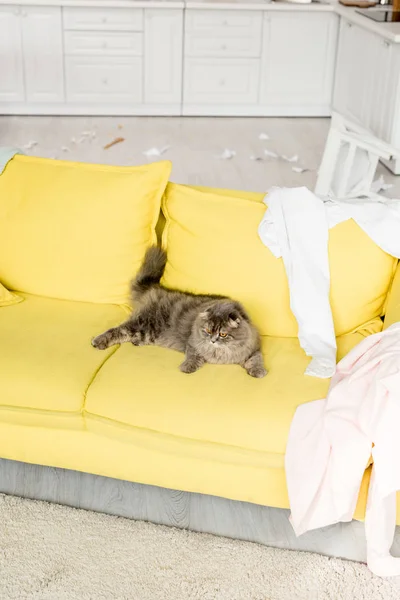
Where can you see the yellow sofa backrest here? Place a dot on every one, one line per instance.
(77, 231)
(211, 237)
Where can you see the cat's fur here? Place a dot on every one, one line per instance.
(208, 329)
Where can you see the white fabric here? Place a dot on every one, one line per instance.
(331, 441)
(295, 226)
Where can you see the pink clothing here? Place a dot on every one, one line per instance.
(331, 441)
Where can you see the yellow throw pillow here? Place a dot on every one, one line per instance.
(7, 298)
(77, 231)
(211, 238)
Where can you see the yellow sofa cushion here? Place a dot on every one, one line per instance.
(143, 387)
(213, 247)
(7, 298)
(76, 231)
(47, 361)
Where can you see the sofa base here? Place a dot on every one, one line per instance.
(198, 512)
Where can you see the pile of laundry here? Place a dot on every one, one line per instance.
(332, 440)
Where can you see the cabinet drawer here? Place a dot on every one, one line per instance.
(106, 79)
(209, 81)
(236, 47)
(103, 43)
(111, 19)
(232, 23)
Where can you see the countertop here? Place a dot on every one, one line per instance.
(388, 31)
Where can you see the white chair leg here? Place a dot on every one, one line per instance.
(328, 164)
(373, 159)
(342, 184)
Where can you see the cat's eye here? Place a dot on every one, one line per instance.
(223, 335)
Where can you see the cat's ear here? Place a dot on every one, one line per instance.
(234, 319)
(204, 315)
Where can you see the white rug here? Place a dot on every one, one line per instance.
(54, 552)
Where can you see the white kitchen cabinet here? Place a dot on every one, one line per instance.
(367, 86)
(298, 60)
(11, 56)
(105, 79)
(163, 56)
(355, 72)
(180, 57)
(221, 81)
(31, 54)
(43, 53)
(103, 19)
(222, 61)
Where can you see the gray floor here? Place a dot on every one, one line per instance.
(194, 143)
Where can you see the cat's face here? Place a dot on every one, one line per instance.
(221, 325)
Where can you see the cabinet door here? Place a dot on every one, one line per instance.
(163, 56)
(104, 79)
(355, 72)
(367, 85)
(11, 66)
(298, 59)
(43, 58)
(221, 81)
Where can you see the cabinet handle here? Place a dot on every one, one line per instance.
(24, 13)
(105, 81)
(223, 47)
(104, 19)
(225, 23)
(349, 25)
(222, 82)
(386, 44)
(16, 11)
(104, 45)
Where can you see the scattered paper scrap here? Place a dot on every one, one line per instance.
(87, 134)
(271, 154)
(263, 136)
(379, 185)
(256, 158)
(227, 154)
(300, 169)
(30, 145)
(156, 151)
(120, 126)
(116, 140)
(293, 158)
(65, 148)
(73, 140)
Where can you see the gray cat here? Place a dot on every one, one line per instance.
(208, 329)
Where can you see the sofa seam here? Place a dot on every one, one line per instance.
(93, 378)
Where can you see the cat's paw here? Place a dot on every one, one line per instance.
(136, 339)
(188, 367)
(100, 342)
(257, 372)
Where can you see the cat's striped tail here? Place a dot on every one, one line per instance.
(150, 272)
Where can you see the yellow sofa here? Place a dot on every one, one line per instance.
(128, 412)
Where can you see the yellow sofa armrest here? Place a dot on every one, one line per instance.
(393, 303)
